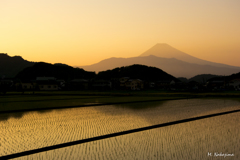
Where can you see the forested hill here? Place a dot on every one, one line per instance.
(203, 78)
(58, 71)
(11, 66)
(137, 71)
(226, 78)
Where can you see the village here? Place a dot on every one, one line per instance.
(124, 83)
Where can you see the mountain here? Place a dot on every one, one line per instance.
(10, 66)
(136, 71)
(173, 66)
(166, 51)
(42, 69)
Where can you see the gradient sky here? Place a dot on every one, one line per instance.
(83, 32)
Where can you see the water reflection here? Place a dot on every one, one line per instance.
(39, 129)
(19, 115)
(6, 116)
(171, 110)
(141, 105)
(96, 100)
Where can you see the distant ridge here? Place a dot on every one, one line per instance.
(173, 66)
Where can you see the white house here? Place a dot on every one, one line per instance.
(134, 84)
(47, 83)
(235, 83)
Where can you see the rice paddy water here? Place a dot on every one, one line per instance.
(202, 139)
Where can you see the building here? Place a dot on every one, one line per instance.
(215, 85)
(101, 84)
(132, 84)
(122, 81)
(5, 85)
(235, 83)
(165, 84)
(47, 84)
(28, 85)
(79, 84)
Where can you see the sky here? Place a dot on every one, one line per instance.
(84, 32)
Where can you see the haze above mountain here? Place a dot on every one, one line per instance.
(170, 60)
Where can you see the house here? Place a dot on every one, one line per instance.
(115, 83)
(6, 82)
(5, 85)
(215, 85)
(193, 85)
(79, 84)
(164, 84)
(47, 83)
(134, 84)
(151, 85)
(25, 85)
(235, 83)
(61, 83)
(28, 85)
(122, 81)
(101, 84)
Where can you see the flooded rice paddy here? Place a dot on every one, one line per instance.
(191, 140)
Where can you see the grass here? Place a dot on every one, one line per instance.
(50, 102)
(67, 99)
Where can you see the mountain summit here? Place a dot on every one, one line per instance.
(164, 50)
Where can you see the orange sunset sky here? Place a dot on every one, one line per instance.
(83, 32)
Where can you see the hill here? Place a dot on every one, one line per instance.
(137, 72)
(226, 78)
(10, 66)
(61, 71)
(203, 78)
(234, 76)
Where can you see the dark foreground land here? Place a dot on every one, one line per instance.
(17, 102)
